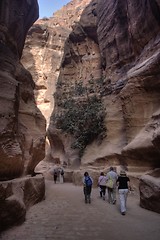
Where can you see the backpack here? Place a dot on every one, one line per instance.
(110, 183)
(88, 181)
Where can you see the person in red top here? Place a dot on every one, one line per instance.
(123, 186)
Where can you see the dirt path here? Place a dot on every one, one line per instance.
(65, 216)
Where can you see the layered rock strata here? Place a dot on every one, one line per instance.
(113, 55)
(44, 49)
(22, 126)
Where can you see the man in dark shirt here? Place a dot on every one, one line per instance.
(123, 186)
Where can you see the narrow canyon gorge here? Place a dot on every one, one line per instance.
(80, 90)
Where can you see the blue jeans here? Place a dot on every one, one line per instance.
(103, 190)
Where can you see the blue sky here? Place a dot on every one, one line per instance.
(48, 7)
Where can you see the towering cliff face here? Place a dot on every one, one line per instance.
(111, 57)
(129, 47)
(22, 126)
(44, 49)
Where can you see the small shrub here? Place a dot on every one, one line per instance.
(79, 88)
(84, 120)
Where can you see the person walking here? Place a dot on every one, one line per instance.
(87, 187)
(62, 176)
(55, 175)
(111, 185)
(102, 184)
(123, 186)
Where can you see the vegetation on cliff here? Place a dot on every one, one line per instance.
(82, 115)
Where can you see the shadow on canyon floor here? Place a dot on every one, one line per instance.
(64, 215)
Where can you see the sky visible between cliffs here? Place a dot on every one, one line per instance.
(48, 7)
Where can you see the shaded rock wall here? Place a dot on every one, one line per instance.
(150, 191)
(17, 196)
(113, 51)
(22, 126)
(80, 62)
(129, 53)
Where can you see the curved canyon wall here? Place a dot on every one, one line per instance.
(22, 126)
(43, 52)
(112, 56)
(106, 108)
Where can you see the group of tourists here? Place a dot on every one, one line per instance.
(109, 182)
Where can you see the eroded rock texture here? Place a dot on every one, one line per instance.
(22, 126)
(112, 55)
(17, 196)
(44, 49)
(150, 191)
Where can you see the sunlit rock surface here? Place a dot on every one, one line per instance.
(114, 52)
(44, 48)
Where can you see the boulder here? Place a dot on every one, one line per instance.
(150, 191)
(18, 195)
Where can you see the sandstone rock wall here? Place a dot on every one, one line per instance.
(44, 49)
(113, 52)
(16, 196)
(150, 191)
(22, 126)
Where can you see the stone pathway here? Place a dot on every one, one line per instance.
(63, 215)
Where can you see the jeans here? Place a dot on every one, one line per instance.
(123, 193)
(112, 195)
(103, 191)
(87, 193)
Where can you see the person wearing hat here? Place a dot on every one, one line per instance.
(123, 186)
